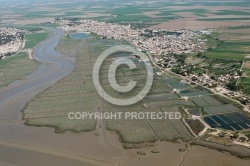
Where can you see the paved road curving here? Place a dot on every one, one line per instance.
(53, 66)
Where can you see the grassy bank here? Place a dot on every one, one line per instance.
(236, 50)
(15, 68)
(67, 44)
(34, 39)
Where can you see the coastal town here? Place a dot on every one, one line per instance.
(11, 40)
(158, 42)
(164, 45)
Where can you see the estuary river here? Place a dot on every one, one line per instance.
(53, 66)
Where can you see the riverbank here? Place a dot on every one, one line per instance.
(16, 67)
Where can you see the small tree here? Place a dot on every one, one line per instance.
(236, 135)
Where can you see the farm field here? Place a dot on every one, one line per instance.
(16, 67)
(195, 125)
(193, 92)
(190, 15)
(245, 79)
(67, 45)
(199, 102)
(224, 19)
(33, 39)
(230, 50)
(211, 100)
(220, 109)
(245, 84)
(160, 97)
(194, 111)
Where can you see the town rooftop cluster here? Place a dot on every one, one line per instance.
(143, 40)
(11, 40)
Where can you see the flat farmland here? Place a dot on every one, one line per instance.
(67, 45)
(160, 97)
(246, 65)
(139, 131)
(171, 129)
(245, 80)
(169, 15)
(132, 131)
(31, 40)
(221, 109)
(170, 102)
(199, 102)
(16, 67)
(195, 125)
(211, 100)
(193, 92)
(232, 50)
(204, 15)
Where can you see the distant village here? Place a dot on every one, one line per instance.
(158, 42)
(11, 40)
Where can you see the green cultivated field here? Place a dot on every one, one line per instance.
(231, 12)
(34, 39)
(73, 13)
(213, 110)
(67, 45)
(173, 12)
(38, 14)
(195, 125)
(224, 19)
(245, 84)
(164, 10)
(236, 50)
(129, 18)
(15, 68)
